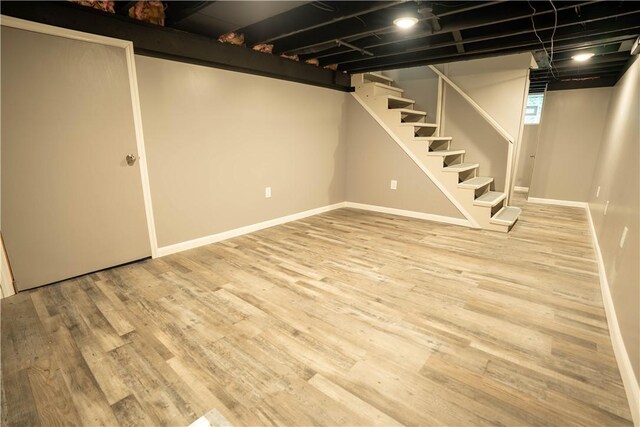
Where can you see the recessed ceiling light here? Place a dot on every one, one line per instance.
(581, 57)
(406, 22)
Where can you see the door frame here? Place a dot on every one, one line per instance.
(36, 27)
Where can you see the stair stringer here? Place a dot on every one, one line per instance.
(471, 221)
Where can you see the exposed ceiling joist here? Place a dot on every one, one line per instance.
(360, 35)
(153, 40)
(395, 42)
(308, 17)
(181, 10)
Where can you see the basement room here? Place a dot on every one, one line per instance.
(320, 213)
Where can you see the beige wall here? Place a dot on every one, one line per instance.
(570, 134)
(498, 85)
(215, 139)
(419, 84)
(374, 159)
(529, 145)
(617, 174)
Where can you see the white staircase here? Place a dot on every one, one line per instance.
(472, 194)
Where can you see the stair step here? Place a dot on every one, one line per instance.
(410, 112)
(398, 101)
(490, 199)
(506, 216)
(475, 183)
(420, 125)
(377, 77)
(388, 87)
(432, 138)
(445, 153)
(461, 167)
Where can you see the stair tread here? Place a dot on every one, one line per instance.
(378, 76)
(411, 112)
(432, 138)
(490, 198)
(445, 152)
(506, 216)
(399, 99)
(460, 167)
(419, 125)
(477, 182)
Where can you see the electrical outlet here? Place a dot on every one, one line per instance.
(267, 192)
(623, 237)
(606, 207)
(394, 184)
(598, 192)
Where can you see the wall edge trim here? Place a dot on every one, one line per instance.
(631, 386)
(408, 214)
(224, 235)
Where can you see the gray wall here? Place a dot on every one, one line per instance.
(529, 145)
(618, 176)
(570, 134)
(374, 159)
(498, 85)
(419, 84)
(215, 139)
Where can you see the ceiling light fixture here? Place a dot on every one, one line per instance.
(406, 21)
(581, 57)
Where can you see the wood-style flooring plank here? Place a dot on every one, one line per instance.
(345, 318)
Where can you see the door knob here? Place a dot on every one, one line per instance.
(131, 159)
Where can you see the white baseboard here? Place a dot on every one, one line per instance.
(410, 214)
(570, 203)
(631, 386)
(521, 189)
(218, 237)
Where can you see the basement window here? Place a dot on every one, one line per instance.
(534, 109)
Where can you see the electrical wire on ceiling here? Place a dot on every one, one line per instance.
(364, 24)
(323, 6)
(555, 26)
(449, 4)
(553, 34)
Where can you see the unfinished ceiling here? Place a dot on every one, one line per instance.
(360, 35)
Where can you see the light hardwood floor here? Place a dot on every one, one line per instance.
(346, 318)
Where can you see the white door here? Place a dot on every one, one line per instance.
(71, 203)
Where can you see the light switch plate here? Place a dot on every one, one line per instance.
(267, 192)
(394, 184)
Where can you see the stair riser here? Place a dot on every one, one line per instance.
(440, 145)
(374, 90)
(359, 79)
(413, 119)
(379, 91)
(425, 131)
(408, 119)
(381, 104)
